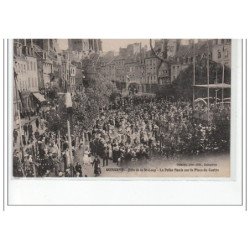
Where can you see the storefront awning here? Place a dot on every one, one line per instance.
(39, 97)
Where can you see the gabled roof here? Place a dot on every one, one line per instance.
(119, 57)
(199, 48)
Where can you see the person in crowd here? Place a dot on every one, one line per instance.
(37, 134)
(78, 170)
(130, 132)
(23, 139)
(30, 130)
(37, 123)
(25, 129)
(37, 109)
(105, 156)
(15, 135)
(17, 165)
(96, 165)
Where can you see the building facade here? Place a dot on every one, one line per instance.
(25, 77)
(137, 65)
(221, 51)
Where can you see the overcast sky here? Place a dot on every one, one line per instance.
(109, 44)
(115, 44)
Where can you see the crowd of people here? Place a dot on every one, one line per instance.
(128, 133)
(143, 130)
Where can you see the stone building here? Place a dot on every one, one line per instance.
(133, 49)
(84, 46)
(171, 46)
(47, 58)
(221, 51)
(136, 66)
(20, 79)
(78, 44)
(164, 74)
(111, 71)
(120, 73)
(25, 76)
(151, 65)
(176, 69)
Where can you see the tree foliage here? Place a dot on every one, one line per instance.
(57, 121)
(167, 90)
(51, 93)
(221, 121)
(57, 116)
(88, 104)
(183, 83)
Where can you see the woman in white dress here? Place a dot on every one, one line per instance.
(86, 161)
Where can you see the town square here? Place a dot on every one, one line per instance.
(121, 108)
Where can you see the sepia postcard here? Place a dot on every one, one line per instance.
(121, 108)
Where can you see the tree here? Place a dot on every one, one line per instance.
(51, 93)
(167, 90)
(56, 121)
(88, 104)
(57, 117)
(220, 134)
(183, 83)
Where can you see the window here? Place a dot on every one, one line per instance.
(30, 65)
(226, 54)
(34, 65)
(219, 54)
